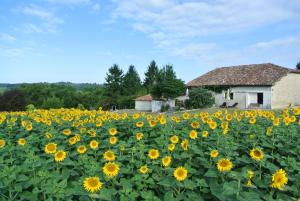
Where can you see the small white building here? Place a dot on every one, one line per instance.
(265, 86)
(147, 103)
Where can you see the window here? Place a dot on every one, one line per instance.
(231, 96)
(260, 98)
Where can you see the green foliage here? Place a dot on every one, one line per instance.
(298, 65)
(167, 85)
(52, 102)
(30, 107)
(113, 87)
(200, 98)
(12, 100)
(151, 76)
(132, 81)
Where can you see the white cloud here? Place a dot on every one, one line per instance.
(7, 37)
(96, 7)
(69, 2)
(48, 20)
(174, 25)
(281, 43)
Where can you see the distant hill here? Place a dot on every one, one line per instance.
(78, 86)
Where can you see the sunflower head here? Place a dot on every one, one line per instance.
(50, 148)
(257, 154)
(113, 140)
(92, 184)
(195, 124)
(166, 161)
(171, 147)
(109, 155)
(144, 169)
(224, 165)
(214, 153)
(2, 143)
(111, 169)
(153, 154)
(174, 139)
(184, 144)
(139, 124)
(81, 149)
(180, 173)
(279, 179)
(139, 136)
(60, 156)
(193, 134)
(112, 131)
(67, 132)
(22, 141)
(94, 144)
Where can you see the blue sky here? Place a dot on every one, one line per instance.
(78, 40)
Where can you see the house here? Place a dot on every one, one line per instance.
(147, 103)
(265, 85)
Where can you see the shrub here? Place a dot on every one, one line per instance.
(200, 98)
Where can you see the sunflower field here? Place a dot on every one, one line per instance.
(70, 154)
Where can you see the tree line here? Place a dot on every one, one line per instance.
(119, 90)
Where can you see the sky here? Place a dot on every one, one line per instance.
(78, 40)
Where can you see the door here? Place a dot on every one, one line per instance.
(260, 98)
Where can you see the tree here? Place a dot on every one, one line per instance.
(132, 82)
(113, 87)
(200, 98)
(167, 85)
(12, 100)
(151, 76)
(298, 65)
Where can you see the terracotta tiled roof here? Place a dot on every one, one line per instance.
(147, 97)
(244, 75)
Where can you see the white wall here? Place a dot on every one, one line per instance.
(244, 96)
(286, 91)
(143, 105)
(156, 104)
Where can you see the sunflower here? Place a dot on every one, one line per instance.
(166, 161)
(29, 127)
(144, 169)
(224, 165)
(252, 121)
(204, 134)
(214, 153)
(60, 156)
(113, 140)
(180, 173)
(48, 135)
(109, 155)
(111, 169)
(112, 131)
(92, 184)
(174, 139)
(213, 125)
(152, 123)
(195, 124)
(184, 144)
(171, 147)
(139, 136)
(163, 121)
(153, 154)
(139, 124)
(257, 154)
(193, 134)
(67, 132)
(22, 141)
(50, 148)
(81, 149)
(94, 144)
(72, 140)
(279, 179)
(2, 143)
(186, 115)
